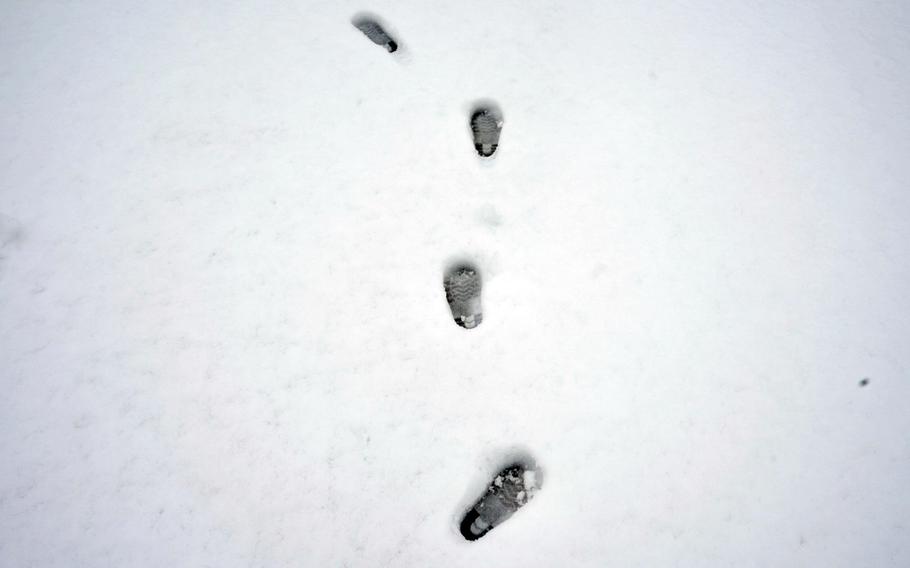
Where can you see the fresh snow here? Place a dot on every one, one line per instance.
(224, 339)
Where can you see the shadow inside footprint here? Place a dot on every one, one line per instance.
(463, 286)
(371, 28)
(486, 126)
(510, 490)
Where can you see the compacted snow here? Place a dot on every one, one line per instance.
(224, 227)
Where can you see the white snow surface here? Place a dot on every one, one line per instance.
(223, 334)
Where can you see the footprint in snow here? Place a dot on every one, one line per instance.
(510, 490)
(486, 126)
(371, 28)
(463, 286)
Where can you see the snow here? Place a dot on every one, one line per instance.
(223, 334)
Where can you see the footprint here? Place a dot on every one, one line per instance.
(11, 232)
(11, 236)
(510, 490)
(462, 285)
(374, 30)
(486, 125)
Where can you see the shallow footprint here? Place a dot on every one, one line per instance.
(463, 286)
(374, 30)
(486, 125)
(11, 235)
(510, 490)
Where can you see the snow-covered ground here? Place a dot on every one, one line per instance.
(223, 334)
